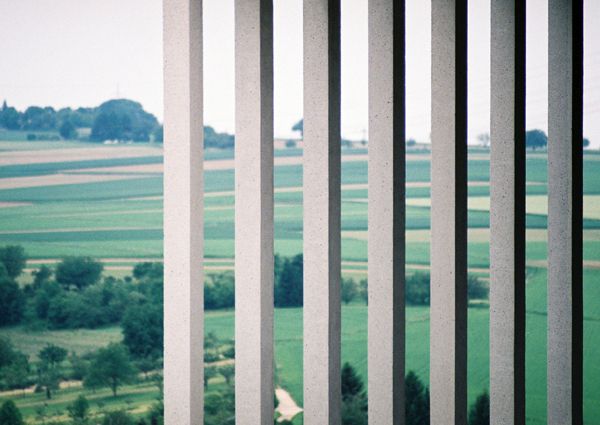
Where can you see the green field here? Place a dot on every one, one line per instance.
(117, 216)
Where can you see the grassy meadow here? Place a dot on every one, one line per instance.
(60, 199)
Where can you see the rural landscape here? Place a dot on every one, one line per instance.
(81, 244)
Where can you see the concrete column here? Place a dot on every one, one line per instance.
(183, 213)
(507, 213)
(254, 212)
(386, 211)
(565, 203)
(448, 338)
(322, 381)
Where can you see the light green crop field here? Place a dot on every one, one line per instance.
(117, 216)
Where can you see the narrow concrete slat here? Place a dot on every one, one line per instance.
(386, 332)
(448, 334)
(565, 212)
(254, 390)
(321, 174)
(183, 213)
(507, 213)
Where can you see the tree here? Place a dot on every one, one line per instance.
(417, 289)
(41, 276)
(352, 385)
(354, 399)
(148, 270)
(536, 139)
(10, 414)
(209, 373)
(219, 407)
(67, 130)
(586, 142)
(354, 411)
(289, 282)
(8, 353)
(16, 375)
(417, 400)
(228, 372)
(38, 118)
(143, 330)
(146, 365)
(14, 259)
(348, 290)
(479, 414)
(123, 119)
(484, 139)
(79, 366)
(213, 139)
(363, 290)
(411, 142)
(12, 300)
(9, 117)
(79, 272)
(111, 367)
(52, 355)
(49, 370)
(219, 291)
(118, 418)
(476, 289)
(79, 410)
(158, 134)
(299, 126)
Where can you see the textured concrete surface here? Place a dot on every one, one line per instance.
(507, 213)
(322, 382)
(386, 212)
(254, 391)
(565, 198)
(183, 221)
(448, 335)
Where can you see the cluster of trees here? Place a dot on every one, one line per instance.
(123, 120)
(289, 285)
(37, 118)
(75, 295)
(355, 403)
(534, 139)
(537, 139)
(219, 290)
(116, 119)
(12, 300)
(418, 288)
(109, 367)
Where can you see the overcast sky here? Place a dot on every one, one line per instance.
(83, 52)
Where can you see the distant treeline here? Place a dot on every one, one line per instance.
(115, 120)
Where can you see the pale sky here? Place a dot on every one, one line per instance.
(83, 52)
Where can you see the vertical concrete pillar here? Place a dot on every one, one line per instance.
(565, 204)
(183, 213)
(254, 212)
(386, 211)
(507, 213)
(322, 381)
(448, 338)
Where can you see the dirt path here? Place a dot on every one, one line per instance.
(287, 407)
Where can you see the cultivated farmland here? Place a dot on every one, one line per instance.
(106, 202)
